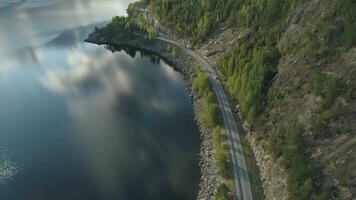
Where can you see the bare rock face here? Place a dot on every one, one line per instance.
(338, 157)
(274, 178)
(334, 153)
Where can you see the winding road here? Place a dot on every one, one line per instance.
(243, 184)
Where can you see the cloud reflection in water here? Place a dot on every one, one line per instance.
(90, 124)
(129, 123)
(35, 22)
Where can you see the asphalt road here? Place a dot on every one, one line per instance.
(243, 184)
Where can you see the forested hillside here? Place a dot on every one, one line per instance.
(293, 73)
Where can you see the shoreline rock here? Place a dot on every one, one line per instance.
(182, 63)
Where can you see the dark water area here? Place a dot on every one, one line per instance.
(78, 121)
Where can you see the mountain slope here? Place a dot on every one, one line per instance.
(292, 70)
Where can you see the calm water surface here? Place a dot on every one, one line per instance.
(80, 122)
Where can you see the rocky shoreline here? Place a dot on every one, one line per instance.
(184, 64)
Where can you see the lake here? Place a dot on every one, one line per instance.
(78, 121)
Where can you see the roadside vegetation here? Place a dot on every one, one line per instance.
(210, 113)
(210, 116)
(222, 192)
(222, 155)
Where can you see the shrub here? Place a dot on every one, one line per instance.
(222, 192)
(217, 136)
(319, 126)
(328, 87)
(201, 83)
(320, 123)
(250, 71)
(211, 115)
(302, 174)
(303, 191)
(275, 145)
(128, 28)
(210, 112)
(222, 162)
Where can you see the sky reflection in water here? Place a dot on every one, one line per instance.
(86, 123)
(28, 24)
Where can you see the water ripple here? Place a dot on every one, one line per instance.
(8, 168)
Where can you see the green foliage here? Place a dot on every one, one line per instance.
(343, 17)
(275, 145)
(222, 192)
(328, 87)
(335, 28)
(132, 27)
(302, 174)
(201, 84)
(204, 27)
(250, 71)
(210, 110)
(286, 46)
(221, 155)
(197, 18)
(326, 193)
(320, 123)
(217, 136)
(212, 115)
(175, 52)
(251, 65)
(222, 162)
(319, 126)
(134, 9)
(350, 93)
(304, 191)
(201, 18)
